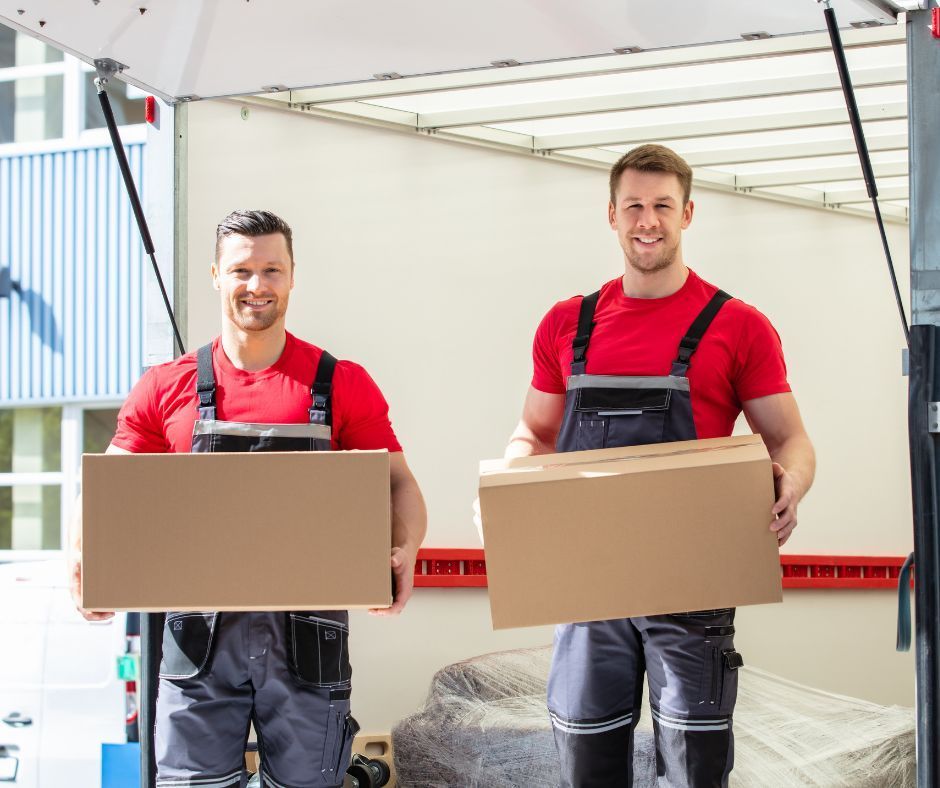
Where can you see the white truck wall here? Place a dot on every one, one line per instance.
(431, 263)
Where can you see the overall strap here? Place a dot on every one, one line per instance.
(205, 383)
(583, 335)
(320, 410)
(697, 330)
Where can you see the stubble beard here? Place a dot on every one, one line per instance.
(256, 321)
(647, 267)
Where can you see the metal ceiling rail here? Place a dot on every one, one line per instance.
(660, 98)
(593, 66)
(852, 196)
(851, 172)
(792, 150)
(635, 135)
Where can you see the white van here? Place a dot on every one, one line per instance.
(60, 695)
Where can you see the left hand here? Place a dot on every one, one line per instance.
(785, 507)
(403, 572)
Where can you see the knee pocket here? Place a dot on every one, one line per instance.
(187, 644)
(318, 648)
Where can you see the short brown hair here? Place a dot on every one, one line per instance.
(252, 224)
(652, 158)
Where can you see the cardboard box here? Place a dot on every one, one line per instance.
(254, 531)
(644, 530)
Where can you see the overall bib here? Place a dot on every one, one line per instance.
(596, 679)
(288, 673)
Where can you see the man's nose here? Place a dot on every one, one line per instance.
(648, 217)
(254, 282)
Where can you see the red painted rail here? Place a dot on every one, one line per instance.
(451, 567)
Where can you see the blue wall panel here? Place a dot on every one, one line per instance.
(72, 328)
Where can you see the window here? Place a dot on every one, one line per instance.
(17, 49)
(40, 458)
(30, 485)
(46, 95)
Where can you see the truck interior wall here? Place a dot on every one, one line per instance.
(431, 263)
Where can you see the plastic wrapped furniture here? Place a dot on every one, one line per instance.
(485, 725)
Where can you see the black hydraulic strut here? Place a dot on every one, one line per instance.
(106, 68)
(864, 159)
(924, 431)
(151, 624)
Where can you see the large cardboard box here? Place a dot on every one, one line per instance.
(254, 531)
(644, 530)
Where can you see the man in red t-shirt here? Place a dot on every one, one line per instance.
(258, 388)
(655, 355)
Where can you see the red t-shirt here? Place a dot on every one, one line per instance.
(739, 358)
(160, 411)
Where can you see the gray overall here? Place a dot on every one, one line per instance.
(596, 679)
(288, 673)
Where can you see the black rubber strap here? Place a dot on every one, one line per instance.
(321, 390)
(583, 335)
(205, 383)
(700, 325)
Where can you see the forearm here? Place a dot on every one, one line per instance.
(798, 458)
(524, 442)
(409, 516)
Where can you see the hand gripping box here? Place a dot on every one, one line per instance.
(229, 531)
(637, 531)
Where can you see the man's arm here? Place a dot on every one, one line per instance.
(777, 419)
(535, 433)
(537, 430)
(75, 554)
(409, 525)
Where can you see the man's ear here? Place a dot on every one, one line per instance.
(214, 269)
(687, 212)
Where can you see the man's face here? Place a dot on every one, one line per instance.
(254, 277)
(649, 218)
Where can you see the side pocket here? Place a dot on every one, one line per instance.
(719, 686)
(350, 729)
(341, 729)
(319, 650)
(187, 644)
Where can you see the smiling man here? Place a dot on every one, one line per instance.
(259, 388)
(655, 355)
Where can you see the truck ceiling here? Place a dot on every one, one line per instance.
(183, 50)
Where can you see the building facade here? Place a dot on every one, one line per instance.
(71, 284)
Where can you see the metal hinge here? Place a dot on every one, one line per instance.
(933, 417)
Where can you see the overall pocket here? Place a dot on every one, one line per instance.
(592, 432)
(187, 644)
(318, 649)
(337, 745)
(719, 689)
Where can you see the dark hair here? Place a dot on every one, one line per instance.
(252, 224)
(652, 158)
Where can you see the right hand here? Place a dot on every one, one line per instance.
(75, 587)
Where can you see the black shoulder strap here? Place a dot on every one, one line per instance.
(321, 390)
(205, 383)
(699, 326)
(583, 335)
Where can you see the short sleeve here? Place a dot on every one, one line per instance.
(546, 365)
(760, 369)
(360, 412)
(139, 425)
